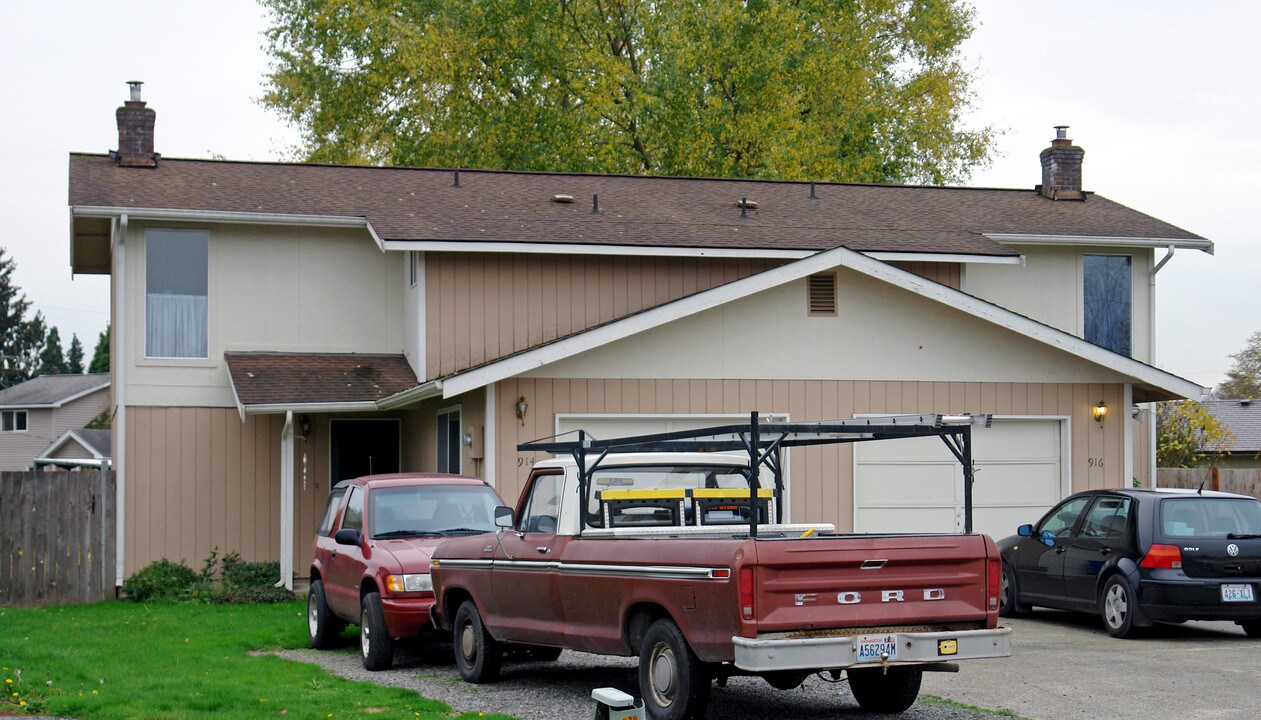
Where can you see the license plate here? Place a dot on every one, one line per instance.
(875, 647)
(1238, 593)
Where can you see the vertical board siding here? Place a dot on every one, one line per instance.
(947, 274)
(822, 477)
(56, 537)
(480, 307)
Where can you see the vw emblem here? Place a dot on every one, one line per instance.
(1232, 549)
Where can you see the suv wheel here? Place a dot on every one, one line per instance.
(323, 626)
(375, 644)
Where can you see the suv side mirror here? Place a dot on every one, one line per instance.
(503, 516)
(347, 536)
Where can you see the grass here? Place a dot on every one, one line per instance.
(934, 700)
(127, 660)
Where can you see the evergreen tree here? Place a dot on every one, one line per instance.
(100, 356)
(1244, 379)
(52, 359)
(21, 340)
(74, 356)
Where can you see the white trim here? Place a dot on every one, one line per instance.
(329, 407)
(423, 391)
(1143, 242)
(590, 249)
(489, 425)
(118, 362)
(838, 257)
(1127, 440)
(886, 256)
(286, 503)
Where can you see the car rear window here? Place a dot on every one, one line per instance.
(1206, 517)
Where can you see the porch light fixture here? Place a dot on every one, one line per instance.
(304, 426)
(522, 406)
(1100, 411)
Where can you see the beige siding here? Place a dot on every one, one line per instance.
(947, 274)
(71, 450)
(823, 477)
(480, 307)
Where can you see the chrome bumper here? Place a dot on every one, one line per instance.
(770, 652)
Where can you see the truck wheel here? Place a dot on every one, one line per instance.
(375, 644)
(477, 654)
(672, 680)
(885, 690)
(1009, 604)
(1116, 605)
(1251, 628)
(322, 625)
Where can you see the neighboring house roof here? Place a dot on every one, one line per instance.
(423, 209)
(51, 391)
(1150, 383)
(95, 444)
(1243, 418)
(271, 381)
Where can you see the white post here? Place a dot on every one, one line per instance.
(118, 385)
(286, 503)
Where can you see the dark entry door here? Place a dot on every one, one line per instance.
(363, 447)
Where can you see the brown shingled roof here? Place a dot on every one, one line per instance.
(265, 378)
(405, 204)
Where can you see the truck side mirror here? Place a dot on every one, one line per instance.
(347, 536)
(503, 516)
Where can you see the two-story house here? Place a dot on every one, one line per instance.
(278, 327)
(37, 413)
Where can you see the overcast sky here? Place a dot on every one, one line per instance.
(1162, 95)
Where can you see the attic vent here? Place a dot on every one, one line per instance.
(821, 294)
(565, 199)
(746, 203)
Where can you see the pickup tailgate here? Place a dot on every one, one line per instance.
(873, 581)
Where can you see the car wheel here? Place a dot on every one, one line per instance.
(1009, 604)
(375, 644)
(885, 690)
(672, 680)
(322, 625)
(1252, 628)
(1116, 605)
(477, 654)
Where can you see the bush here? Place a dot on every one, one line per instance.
(226, 579)
(160, 580)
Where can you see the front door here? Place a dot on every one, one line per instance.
(363, 447)
(1101, 538)
(1040, 559)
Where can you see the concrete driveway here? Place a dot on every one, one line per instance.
(1064, 665)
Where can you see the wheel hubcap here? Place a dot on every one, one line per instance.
(365, 635)
(1116, 605)
(663, 674)
(1005, 590)
(468, 643)
(312, 617)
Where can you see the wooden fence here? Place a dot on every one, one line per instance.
(56, 537)
(1245, 481)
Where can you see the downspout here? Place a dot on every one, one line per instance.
(118, 363)
(488, 439)
(1151, 339)
(286, 503)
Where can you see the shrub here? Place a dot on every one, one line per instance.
(160, 580)
(222, 579)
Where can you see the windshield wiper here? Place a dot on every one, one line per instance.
(406, 533)
(463, 531)
(1242, 536)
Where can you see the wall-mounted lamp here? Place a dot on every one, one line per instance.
(304, 426)
(1100, 411)
(522, 406)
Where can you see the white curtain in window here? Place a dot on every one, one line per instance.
(176, 326)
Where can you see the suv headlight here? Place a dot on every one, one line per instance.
(414, 582)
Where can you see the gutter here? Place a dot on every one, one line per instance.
(118, 362)
(1142, 242)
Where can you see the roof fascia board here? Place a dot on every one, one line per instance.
(424, 391)
(365, 406)
(590, 249)
(947, 258)
(1143, 242)
(839, 257)
(648, 319)
(221, 216)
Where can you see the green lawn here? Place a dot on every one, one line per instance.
(128, 660)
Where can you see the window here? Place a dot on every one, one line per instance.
(821, 294)
(449, 440)
(1108, 517)
(330, 513)
(1060, 521)
(542, 509)
(176, 278)
(13, 421)
(353, 516)
(1106, 281)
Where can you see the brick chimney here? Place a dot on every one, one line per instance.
(135, 131)
(1061, 168)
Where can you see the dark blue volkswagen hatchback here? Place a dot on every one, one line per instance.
(1140, 556)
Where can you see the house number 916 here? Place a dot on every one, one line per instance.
(1095, 462)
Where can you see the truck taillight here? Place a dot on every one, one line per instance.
(746, 593)
(1163, 557)
(993, 582)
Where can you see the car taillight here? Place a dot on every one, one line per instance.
(993, 582)
(746, 593)
(1163, 557)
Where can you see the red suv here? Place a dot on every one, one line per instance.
(370, 560)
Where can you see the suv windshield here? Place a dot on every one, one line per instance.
(431, 511)
(1208, 517)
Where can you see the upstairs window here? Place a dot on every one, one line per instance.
(176, 279)
(13, 421)
(1106, 291)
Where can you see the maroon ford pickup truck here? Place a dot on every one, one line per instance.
(664, 556)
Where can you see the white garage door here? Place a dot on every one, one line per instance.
(604, 427)
(917, 485)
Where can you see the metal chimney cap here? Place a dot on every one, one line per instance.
(135, 88)
(1061, 132)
